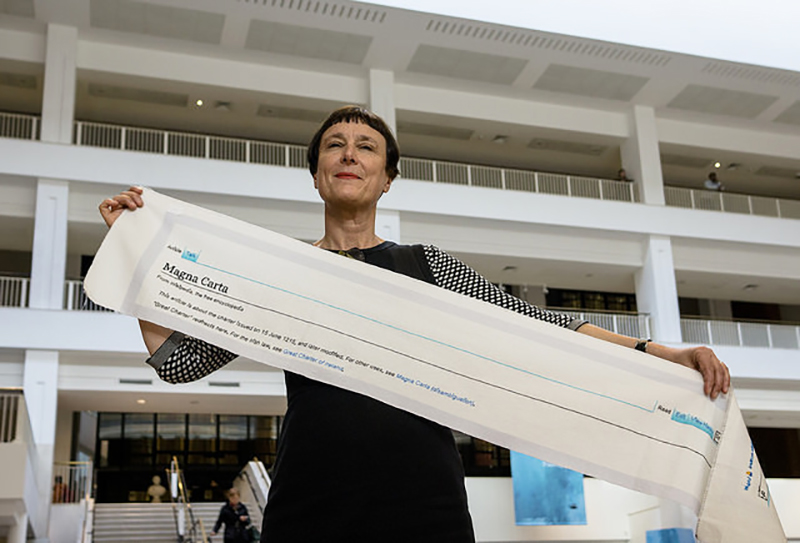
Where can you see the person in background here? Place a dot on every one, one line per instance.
(622, 175)
(60, 490)
(712, 183)
(235, 517)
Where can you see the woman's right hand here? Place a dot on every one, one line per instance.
(112, 208)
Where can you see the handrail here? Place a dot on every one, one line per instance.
(620, 322)
(87, 533)
(209, 146)
(181, 505)
(14, 291)
(257, 488)
(72, 481)
(75, 298)
(733, 319)
(740, 333)
(731, 202)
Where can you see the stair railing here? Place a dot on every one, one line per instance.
(253, 485)
(182, 508)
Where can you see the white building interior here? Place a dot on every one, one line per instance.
(511, 142)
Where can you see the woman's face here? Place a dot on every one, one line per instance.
(351, 172)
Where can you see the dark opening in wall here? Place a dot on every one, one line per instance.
(778, 450)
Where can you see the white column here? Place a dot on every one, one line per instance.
(58, 103)
(387, 225)
(381, 102)
(381, 96)
(40, 386)
(49, 260)
(657, 291)
(640, 155)
(18, 533)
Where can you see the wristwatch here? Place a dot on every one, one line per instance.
(641, 345)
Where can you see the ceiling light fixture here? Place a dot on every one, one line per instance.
(200, 103)
(141, 401)
(500, 139)
(717, 164)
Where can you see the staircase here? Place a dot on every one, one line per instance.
(146, 522)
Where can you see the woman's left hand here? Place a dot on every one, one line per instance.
(716, 377)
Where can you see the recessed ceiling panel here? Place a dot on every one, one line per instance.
(138, 95)
(560, 146)
(791, 115)
(297, 114)
(459, 64)
(774, 171)
(588, 82)
(20, 8)
(434, 130)
(307, 42)
(719, 101)
(685, 161)
(154, 20)
(20, 81)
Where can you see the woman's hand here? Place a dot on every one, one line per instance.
(716, 377)
(112, 208)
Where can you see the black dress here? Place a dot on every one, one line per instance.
(350, 468)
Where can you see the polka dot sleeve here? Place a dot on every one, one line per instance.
(452, 274)
(182, 359)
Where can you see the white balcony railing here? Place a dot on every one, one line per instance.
(628, 324)
(148, 140)
(72, 482)
(9, 414)
(75, 298)
(743, 334)
(14, 291)
(294, 156)
(15, 125)
(732, 203)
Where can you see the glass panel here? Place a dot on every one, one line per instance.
(202, 460)
(232, 431)
(595, 300)
(171, 432)
(616, 302)
(202, 433)
(139, 438)
(109, 435)
(264, 437)
(571, 299)
(110, 426)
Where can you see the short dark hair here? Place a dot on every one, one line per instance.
(356, 114)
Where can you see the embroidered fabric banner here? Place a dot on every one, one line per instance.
(597, 408)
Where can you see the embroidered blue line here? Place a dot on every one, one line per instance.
(432, 340)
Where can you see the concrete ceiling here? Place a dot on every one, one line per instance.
(343, 37)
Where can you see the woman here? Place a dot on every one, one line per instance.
(235, 518)
(350, 468)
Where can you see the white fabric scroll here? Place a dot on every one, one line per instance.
(549, 392)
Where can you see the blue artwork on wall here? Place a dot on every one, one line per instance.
(670, 535)
(546, 494)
